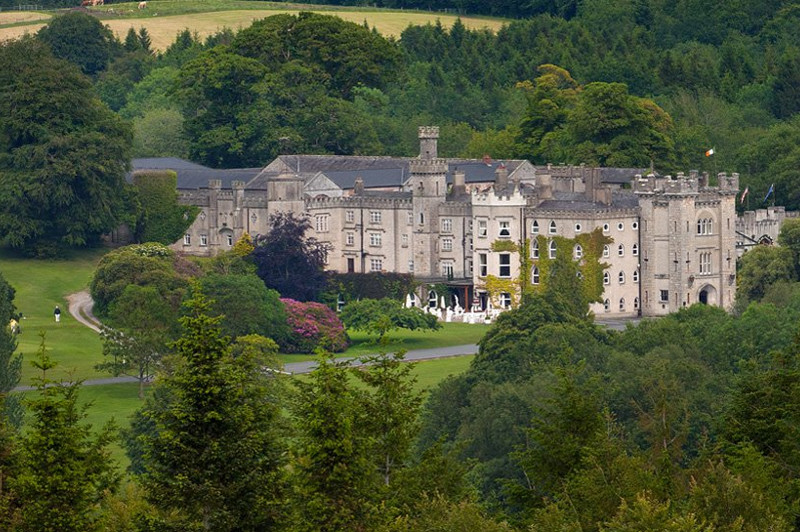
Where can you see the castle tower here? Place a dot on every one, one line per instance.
(687, 240)
(428, 184)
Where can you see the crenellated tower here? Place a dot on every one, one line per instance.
(428, 184)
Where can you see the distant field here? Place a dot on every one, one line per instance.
(164, 19)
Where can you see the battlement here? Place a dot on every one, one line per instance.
(215, 184)
(490, 198)
(684, 184)
(428, 132)
(427, 166)
(355, 202)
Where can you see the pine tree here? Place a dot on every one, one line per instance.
(63, 465)
(214, 455)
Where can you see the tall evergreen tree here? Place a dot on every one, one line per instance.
(214, 454)
(63, 465)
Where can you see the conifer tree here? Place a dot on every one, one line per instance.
(63, 465)
(214, 455)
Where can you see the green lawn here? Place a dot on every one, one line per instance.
(449, 334)
(40, 286)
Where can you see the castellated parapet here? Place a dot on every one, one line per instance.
(683, 184)
(491, 198)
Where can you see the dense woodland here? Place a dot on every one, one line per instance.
(686, 424)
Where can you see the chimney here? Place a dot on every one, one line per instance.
(703, 181)
(428, 139)
(358, 186)
(501, 177)
(544, 186)
(459, 183)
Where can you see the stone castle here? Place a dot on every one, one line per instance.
(672, 240)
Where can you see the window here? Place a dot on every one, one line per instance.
(374, 217)
(349, 216)
(505, 229)
(621, 250)
(421, 218)
(577, 251)
(505, 265)
(350, 239)
(447, 244)
(635, 303)
(483, 229)
(375, 239)
(635, 276)
(605, 228)
(606, 305)
(705, 226)
(535, 275)
(469, 243)
(606, 278)
(432, 299)
(376, 265)
(552, 228)
(606, 252)
(187, 239)
(321, 223)
(579, 275)
(578, 228)
(552, 249)
(535, 227)
(447, 225)
(664, 296)
(622, 303)
(447, 269)
(229, 237)
(635, 225)
(411, 266)
(621, 277)
(635, 250)
(705, 263)
(404, 240)
(620, 226)
(410, 219)
(505, 300)
(483, 267)
(351, 265)
(535, 251)
(203, 240)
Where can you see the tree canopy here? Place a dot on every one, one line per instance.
(63, 154)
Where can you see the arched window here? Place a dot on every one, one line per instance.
(535, 275)
(535, 252)
(621, 277)
(606, 278)
(432, 302)
(622, 303)
(606, 305)
(699, 227)
(635, 276)
(552, 252)
(635, 303)
(578, 251)
(635, 250)
(535, 227)
(606, 252)
(709, 227)
(579, 275)
(552, 227)
(621, 250)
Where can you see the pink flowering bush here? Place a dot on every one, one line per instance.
(313, 325)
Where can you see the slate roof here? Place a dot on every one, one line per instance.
(192, 175)
(577, 202)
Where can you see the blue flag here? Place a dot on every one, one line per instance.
(769, 192)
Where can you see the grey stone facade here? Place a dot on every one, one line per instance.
(438, 218)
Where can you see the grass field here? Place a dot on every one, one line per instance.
(164, 19)
(40, 286)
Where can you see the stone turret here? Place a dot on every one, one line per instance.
(428, 140)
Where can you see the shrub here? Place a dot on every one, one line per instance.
(313, 325)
